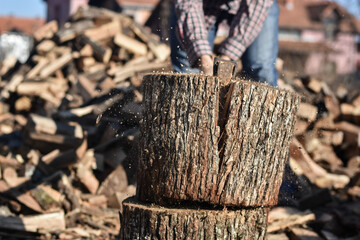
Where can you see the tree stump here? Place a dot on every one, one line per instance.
(196, 147)
(141, 221)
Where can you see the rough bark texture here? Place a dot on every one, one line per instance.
(185, 155)
(151, 222)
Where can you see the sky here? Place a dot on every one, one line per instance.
(23, 8)
(37, 8)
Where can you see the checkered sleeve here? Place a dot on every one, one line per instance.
(245, 27)
(191, 29)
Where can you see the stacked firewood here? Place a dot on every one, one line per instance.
(68, 119)
(324, 193)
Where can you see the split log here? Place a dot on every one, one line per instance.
(130, 44)
(182, 155)
(71, 30)
(105, 31)
(101, 53)
(153, 222)
(56, 65)
(46, 31)
(43, 222)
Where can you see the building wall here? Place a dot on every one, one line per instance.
(346, 55)
(312, 36)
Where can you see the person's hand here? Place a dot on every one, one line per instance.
(224, 57)
(206, 64)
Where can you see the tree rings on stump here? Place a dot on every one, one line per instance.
(197, 147)
(140, 221)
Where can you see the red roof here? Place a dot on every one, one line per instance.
(308, 14)
(25, 25)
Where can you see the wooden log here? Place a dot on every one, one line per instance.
(45, 47)
(101, 53)
(71, 30)
(288, 217)
(7, 64)
(43, 222)
(46, 31)
(56, 65)
(181, 155)
(154, 222)
(43, 62)
(104, 31)
(308, 112)
(130, 44)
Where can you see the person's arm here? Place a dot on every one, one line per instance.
(245, 27)
(192, 32)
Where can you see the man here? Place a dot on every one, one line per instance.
(253, 36)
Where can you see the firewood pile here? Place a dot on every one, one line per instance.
(69, 117)
(325, 157)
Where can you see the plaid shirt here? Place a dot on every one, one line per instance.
(195, 17)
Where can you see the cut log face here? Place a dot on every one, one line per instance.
(185, 155)
(152, 222)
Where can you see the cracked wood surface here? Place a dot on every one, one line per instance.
(180, 141)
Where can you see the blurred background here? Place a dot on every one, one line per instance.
(318, 38)
(71, 104)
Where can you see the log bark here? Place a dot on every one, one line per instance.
(186, 155)
(153, 222)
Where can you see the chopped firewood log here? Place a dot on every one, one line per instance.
(11, 86)
(332, 106)
(100, 52)
(309, 168)
(332, 181)
(300, 127)
(87, 178)
(354, 162)
(23, 197)
(23, 104)
(85, 62)
(325, 123)
(11, 178)
(56, 65)
(86, 88)
(290, 217)
(96, 200)
(46, 31)
(105, 31)
(86, 51)
(43, 222)
(277, 236)
(302, 234)
(71, 30)
(341, 92)
(47, 198)
(351, 132)
(314, 85)
(115, 182)
(356, 101)
(347, 111)
(307, 111)
(130, 44)
(37, 69)
(45, 47)
(7, 64)
(115, 201)
(326, 153)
